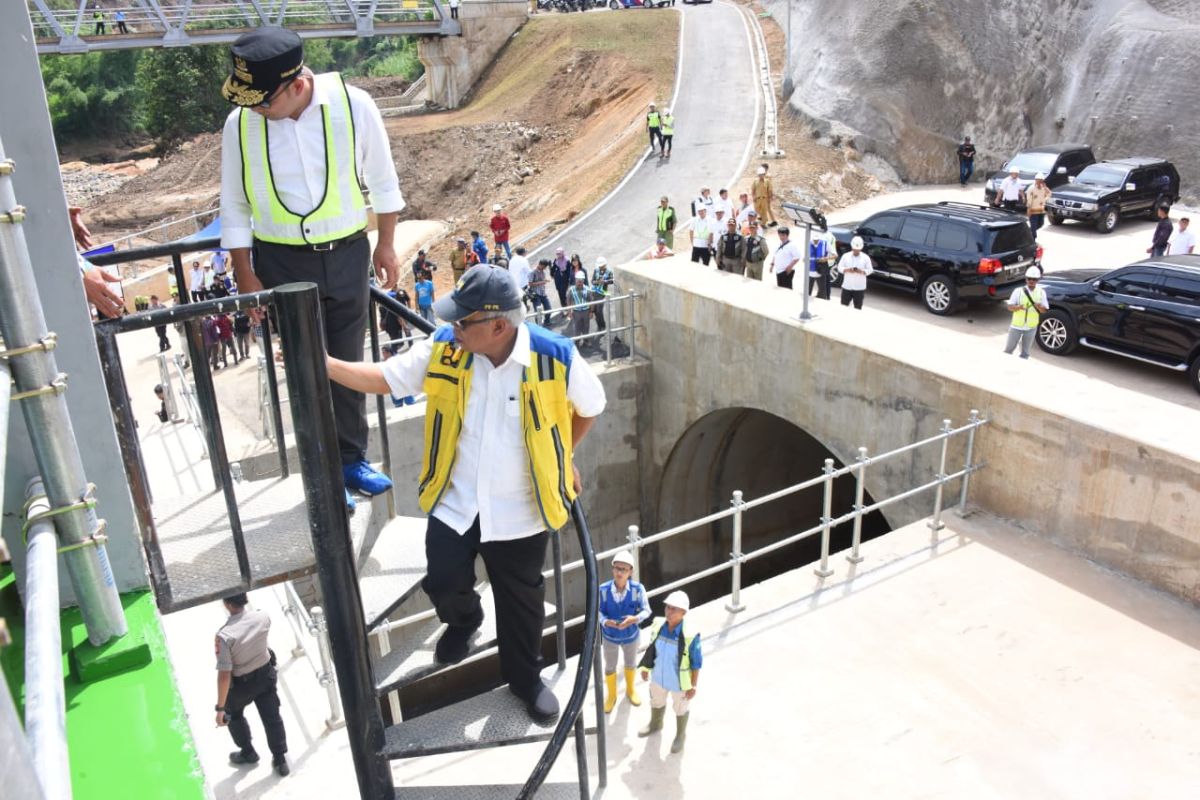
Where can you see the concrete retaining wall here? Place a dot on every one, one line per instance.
(1056, 465)
(454, 63)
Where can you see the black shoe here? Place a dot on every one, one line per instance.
(540, 703)
(243, 757)
(454, 644)
(281, 766)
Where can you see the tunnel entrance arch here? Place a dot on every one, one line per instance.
(757, 452)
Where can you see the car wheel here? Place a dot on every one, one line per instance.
(1055, 219)
(1108, 220)
(1194, 373)
(1056, 332)
(940, 295)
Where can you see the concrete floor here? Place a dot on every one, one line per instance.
(987, 664)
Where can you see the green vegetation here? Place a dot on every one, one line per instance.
(170, 94)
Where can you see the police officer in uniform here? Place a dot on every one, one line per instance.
(245, 675)
(295, 155)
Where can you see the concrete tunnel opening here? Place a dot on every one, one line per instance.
(757, 452)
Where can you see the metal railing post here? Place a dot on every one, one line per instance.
(735, 595)
(967, 466)
(164, 377)
(860, 478)
(293, 611)
(601, 736)
(385, 446)
(45, 702)
(935, 523)
(633, 296)
(273, 393)
(327, 678)
(635, 544)
(298, 315)
(823, 570)
(560, 613)
(607, 308)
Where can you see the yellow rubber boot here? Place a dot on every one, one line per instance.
(610, 697)
(631, 688)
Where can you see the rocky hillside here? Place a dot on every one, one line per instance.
(907, 78)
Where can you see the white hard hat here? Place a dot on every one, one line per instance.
(667, 111)
(495, 207)
(1014, 171)
(1033, 272)
(601, 261)
(623, 557)
(652, 105)
(679, 599)
(762, 170)
(1041, 176)
(581, 276)
(856, 243)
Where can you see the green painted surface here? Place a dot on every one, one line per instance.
(127, 732)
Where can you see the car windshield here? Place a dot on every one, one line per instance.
(1102, 175)
(1033, 162)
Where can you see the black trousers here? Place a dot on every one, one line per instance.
(701, 255)
(784, 279)
(163, 342)
(819, 283)
(655, 136)
(341, 278)
(256, 687)
(514, 569)
(853, 296)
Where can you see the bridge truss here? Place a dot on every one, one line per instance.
(70, 26)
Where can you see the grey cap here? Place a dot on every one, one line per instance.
(482, 288)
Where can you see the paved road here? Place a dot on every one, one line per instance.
(715, 117)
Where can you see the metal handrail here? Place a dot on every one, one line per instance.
(314, 623)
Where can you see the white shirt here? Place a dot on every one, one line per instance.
(1010, 188)
(518, 267)
(218, 262)
(491, 466)
(719, 226)
(702, 232)
(1182, 243)
(788, 255)
(197, 279)
(297, 153)
(726, 204)
(743, 217)
(855, 281)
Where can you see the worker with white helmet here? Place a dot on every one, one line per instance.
(666, 131)
(654, 127)
(1027, 303)
(672, 665)
(623, 607)
(855, 266)
(602, 282)
(577, 309)
(500, 227)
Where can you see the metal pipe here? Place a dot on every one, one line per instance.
(51, 433)
(632, 326)
(169, 315)
(164, 378)
(860, 478)
(935, 523)
(823, 571)
(174, 249)
(559, 610)
(131, 457)
(183, 289)
(635, 543)
(735, 596)
(327, 678)
(16, 762)
(608, 334)
(299, 319)
(5, 398)
(381, 410)
(805, 315)
(973, 421)
(294, 613)
(45, 703)
(601, 729)
(273, 395)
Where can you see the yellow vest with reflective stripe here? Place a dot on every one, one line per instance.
(685, 648)
(1027, 317)
(668, 125)
(341, 211)
(545, 421)
(652, 120)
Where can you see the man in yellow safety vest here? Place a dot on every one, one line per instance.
(1027, 303)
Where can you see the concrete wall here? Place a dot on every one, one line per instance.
(1094, 468)
(454, 63)
(29, 141)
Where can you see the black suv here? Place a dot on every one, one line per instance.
(1058, 162)
(946, 252)
(1149, 311)
(1106, 191)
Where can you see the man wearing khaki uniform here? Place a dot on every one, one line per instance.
(754, 251)
(1035, 202)
(763, 195)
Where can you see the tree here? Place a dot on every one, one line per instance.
(180, 92)
(94, 94)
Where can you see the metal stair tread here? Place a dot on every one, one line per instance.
(490, 719)
(393, 569)
(486, 791)
(413, 658)
(197, 543)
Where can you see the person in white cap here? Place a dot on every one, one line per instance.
(855, 266)
(623, 607)
(500, 227)
(1009, 193)
(1035, 202)
(672, 664)
(1027, 303)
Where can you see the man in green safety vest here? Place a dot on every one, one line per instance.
(295, 155)
(664, 222)
(654, 126)
(1027, 303)
(672, 665)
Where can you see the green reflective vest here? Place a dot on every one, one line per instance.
(685, 652)
(668, 125)
(545, 420)
(1026, 318)
(666, 219)
(341, 211)
(652, 120)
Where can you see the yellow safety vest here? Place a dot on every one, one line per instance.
(545, 420)
(685, 650)
(1027, 317)
(668, 125)
(665, 216)
(652, 120)
(341, 211)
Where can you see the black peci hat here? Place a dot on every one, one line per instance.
(263, 59)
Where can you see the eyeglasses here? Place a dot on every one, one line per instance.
(463, 324)
(266, 104)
